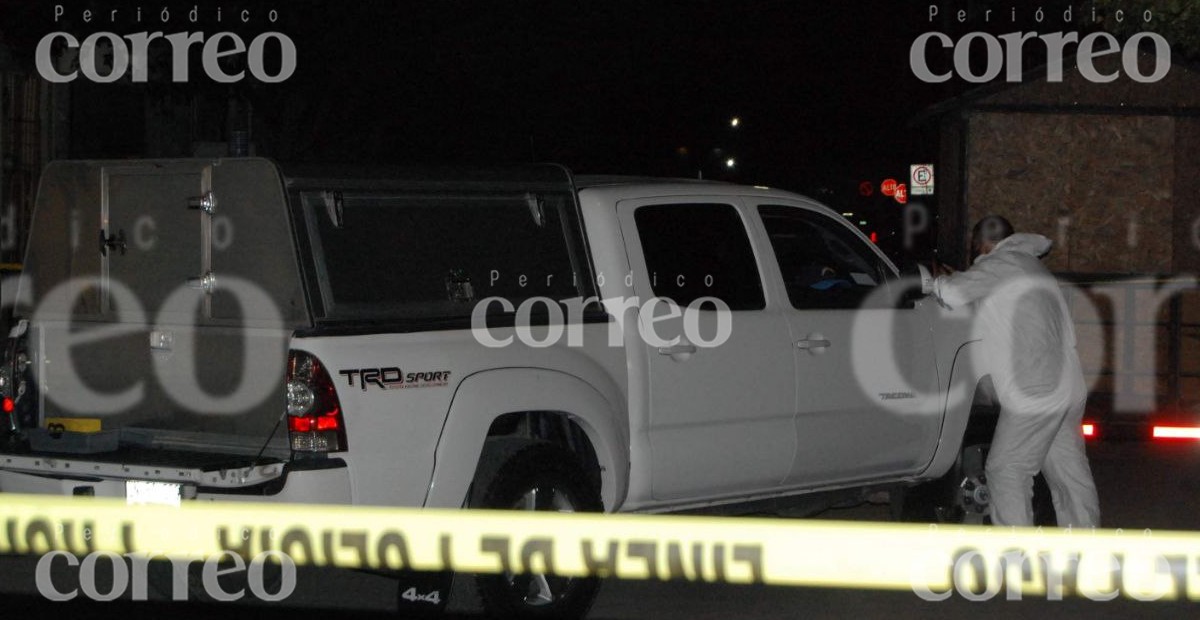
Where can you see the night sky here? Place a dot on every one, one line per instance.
(823, 90)
(618, 87)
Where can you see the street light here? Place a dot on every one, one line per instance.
(708, 158)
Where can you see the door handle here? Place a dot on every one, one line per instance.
(679, 349)
(813, 343)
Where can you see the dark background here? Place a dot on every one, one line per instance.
(823, 90)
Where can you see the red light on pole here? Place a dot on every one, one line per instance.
(874, 237)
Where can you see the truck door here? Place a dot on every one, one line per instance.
(720, 418)
(866, 380)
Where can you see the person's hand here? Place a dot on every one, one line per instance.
(942, 269)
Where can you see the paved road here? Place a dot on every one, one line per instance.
(1153, 486)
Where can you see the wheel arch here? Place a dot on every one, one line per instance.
(489, 399)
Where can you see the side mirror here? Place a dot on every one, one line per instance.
(918, 273)
(917, 283)
(926, 279)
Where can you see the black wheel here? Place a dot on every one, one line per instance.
(539, 476)
(961, 496)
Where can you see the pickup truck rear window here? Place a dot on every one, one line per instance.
(436, 256)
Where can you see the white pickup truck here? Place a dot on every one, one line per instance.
(513, 338)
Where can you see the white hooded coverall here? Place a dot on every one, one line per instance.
(1028, 347)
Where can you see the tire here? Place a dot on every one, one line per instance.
(538, 476)
(961, 496)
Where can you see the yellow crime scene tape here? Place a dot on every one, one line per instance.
(935, 562)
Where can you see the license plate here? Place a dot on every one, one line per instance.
(145, 492)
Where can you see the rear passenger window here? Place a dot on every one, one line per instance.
(699, 250)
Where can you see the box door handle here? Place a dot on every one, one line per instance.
(206, 203)
(115, 242)
(206, 282)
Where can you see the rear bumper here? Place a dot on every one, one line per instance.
(325, 482)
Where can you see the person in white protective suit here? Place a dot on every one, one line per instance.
(1028, 347)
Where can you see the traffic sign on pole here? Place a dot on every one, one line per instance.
(921, 179)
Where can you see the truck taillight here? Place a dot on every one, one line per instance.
(1176, 432)
(14, 374)
(314, 414)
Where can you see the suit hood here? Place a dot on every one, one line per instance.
(1025, 243)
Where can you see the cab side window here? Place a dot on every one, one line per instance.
(699, 250)
(824, 264)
